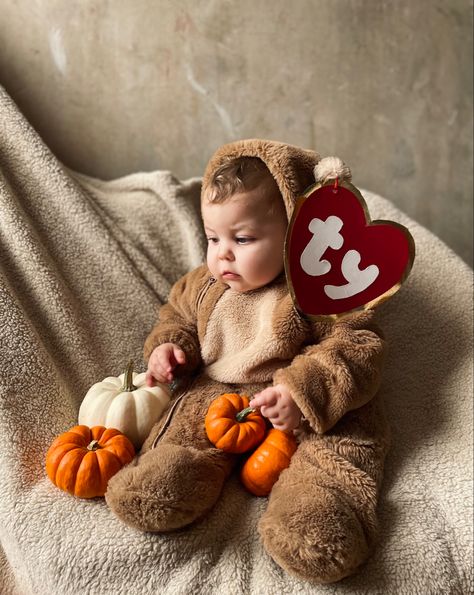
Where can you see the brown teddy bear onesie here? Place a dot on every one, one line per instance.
(320, 523)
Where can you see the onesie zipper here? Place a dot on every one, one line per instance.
(173, 408)
(204, 290)
(169, 417)
(159, 436)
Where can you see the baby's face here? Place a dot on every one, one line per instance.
(245, 240)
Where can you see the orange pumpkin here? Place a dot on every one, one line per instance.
(261, 470)
(232, 425)
(82, 460)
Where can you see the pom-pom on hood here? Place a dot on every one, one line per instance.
(331, 168)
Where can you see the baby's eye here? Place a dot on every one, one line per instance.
(212, 240)
(244, 240)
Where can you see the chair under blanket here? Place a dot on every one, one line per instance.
(84, 266)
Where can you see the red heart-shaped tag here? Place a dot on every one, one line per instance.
(336, 259)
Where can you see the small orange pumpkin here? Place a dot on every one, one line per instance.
(232, 425)
(261, 470)
(82, 460)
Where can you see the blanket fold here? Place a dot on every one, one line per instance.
(84, 266)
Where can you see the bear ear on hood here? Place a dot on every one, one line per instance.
(291, 166)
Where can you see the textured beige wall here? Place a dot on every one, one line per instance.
(126, 85)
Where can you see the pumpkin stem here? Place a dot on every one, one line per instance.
(128, 385)
(241, 415)
(94, 445)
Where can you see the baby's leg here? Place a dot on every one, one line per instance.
(321, 523)
(178, 479)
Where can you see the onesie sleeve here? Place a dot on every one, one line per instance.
(339, 373)
(177, 322)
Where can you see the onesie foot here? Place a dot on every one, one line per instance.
(313, 534)
(169, 488)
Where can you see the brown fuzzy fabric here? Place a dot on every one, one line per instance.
(176, 483)
(320, 523)
(292, 167)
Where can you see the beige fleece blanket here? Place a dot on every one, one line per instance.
(84, 266)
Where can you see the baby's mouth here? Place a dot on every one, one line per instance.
(230, 275)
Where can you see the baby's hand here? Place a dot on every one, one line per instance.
(276, 403)
(163, 360)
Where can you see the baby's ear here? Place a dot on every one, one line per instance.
(331, 168)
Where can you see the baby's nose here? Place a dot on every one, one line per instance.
(225, 253)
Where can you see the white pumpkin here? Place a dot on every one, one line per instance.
(125, 403)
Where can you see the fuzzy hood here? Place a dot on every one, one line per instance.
(292, 167)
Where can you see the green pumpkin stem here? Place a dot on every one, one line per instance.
(94, 445)
(241, 415)
(128, 385)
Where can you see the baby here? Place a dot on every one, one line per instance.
(230, 326)
(245, 223)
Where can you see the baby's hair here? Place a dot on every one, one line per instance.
(236, 175)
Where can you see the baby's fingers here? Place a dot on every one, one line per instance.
(266, 398)
(157, 374)
(179, 356)
(150, 379)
